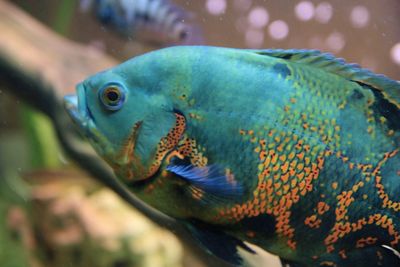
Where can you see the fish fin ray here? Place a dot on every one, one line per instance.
(211, 180)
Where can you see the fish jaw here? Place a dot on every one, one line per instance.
(77, 108)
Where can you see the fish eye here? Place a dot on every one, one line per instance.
(112, 96)
(183, 35)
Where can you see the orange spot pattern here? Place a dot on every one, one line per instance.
(362, 242)
(127, 161)
(322, 207)
(386, 201)
(314, 220)
(289, 164)
(130, 165)
(343, 226)
(328, 263)
(287, 168)
(168, 142)
(188, 147)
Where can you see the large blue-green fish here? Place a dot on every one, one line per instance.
(294, 151)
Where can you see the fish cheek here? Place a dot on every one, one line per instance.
(149, 144)
(168, 143)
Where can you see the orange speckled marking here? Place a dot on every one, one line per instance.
(250, 234)
(342, 254)
(362, 242)
(343, 226)
(386, 201)
(188, 147)
(127, 158)
(328, 263)
(130, 166)
(313, 221)
(322, 207)
(286, 173)
(168, 143)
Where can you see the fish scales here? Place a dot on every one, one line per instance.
(294, 151)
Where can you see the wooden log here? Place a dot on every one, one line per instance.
(40, 67)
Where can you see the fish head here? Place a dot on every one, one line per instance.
(126, 116)
(101, 110)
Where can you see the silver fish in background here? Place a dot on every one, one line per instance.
(158, 21)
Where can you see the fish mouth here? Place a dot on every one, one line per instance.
(76, 106)
(79, 112)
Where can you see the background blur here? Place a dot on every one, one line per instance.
(362, 31)
(37, 212)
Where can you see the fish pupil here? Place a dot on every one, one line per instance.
(183, 35)
(112, 96)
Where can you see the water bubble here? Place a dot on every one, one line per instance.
(359, 16)
(216, 7)
(323, 12)
(336, 41)
(304, 10)
(258, 17)
(395, 53)
(278, 30)
(254, 38)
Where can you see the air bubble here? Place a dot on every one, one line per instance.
(395, 53)
(304, 10)
(258, 17)
(323, 12)
(216, 7)
(359, 16)
(278, 30)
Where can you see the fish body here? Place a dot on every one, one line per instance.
(152, 20)
(294, 151)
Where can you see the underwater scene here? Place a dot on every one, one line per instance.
(196, 133)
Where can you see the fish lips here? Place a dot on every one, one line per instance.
(78, 110)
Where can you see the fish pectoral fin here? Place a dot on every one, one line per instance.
(219, 243)
(211, 180)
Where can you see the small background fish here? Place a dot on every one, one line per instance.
(157, 21)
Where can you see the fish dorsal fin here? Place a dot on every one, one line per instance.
(389, 88)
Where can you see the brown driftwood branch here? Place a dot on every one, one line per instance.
(40, 67)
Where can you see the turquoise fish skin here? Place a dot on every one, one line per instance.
(294, 151)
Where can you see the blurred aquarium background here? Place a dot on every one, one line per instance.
(52, 214)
